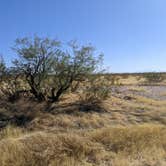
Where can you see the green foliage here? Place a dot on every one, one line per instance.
(154, 77)
(40, 58)
(96, 90)
(35, 59)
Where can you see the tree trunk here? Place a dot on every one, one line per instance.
(55, 98)
(60, 91)
(38, 95)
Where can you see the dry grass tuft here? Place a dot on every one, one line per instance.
(117, 146)
(46, 149)
(132, 139)
(11, 132)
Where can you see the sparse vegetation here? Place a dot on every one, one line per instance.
(95, 123)
(44, 58)
(95, 90)
(154, 77)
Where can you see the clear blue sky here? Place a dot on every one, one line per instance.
(131, 33)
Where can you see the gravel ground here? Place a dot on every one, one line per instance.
(153, 92)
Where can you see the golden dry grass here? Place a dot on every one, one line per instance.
(119, 146)
(129, 130)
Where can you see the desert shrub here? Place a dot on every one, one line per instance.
(42, 59)
(95, 90)
(114, 80)
(11, 84)
(34, 62)
(10, 81)
(154, 77)
(125, 76)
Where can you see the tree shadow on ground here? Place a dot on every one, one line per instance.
(22, 112)
(75, 108)
(19, 113)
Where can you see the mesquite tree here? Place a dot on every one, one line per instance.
(35, 61)
(73, 66)
(51, 68)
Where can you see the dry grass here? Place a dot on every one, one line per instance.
(118, 146)
(11, 132)
(128, 129)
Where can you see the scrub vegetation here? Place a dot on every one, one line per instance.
(59, 108)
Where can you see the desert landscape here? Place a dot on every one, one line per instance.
(126, 129)
(82, 83)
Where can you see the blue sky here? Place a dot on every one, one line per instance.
(130, 33)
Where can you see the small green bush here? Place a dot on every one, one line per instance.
(96, 90)
(154, 77)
